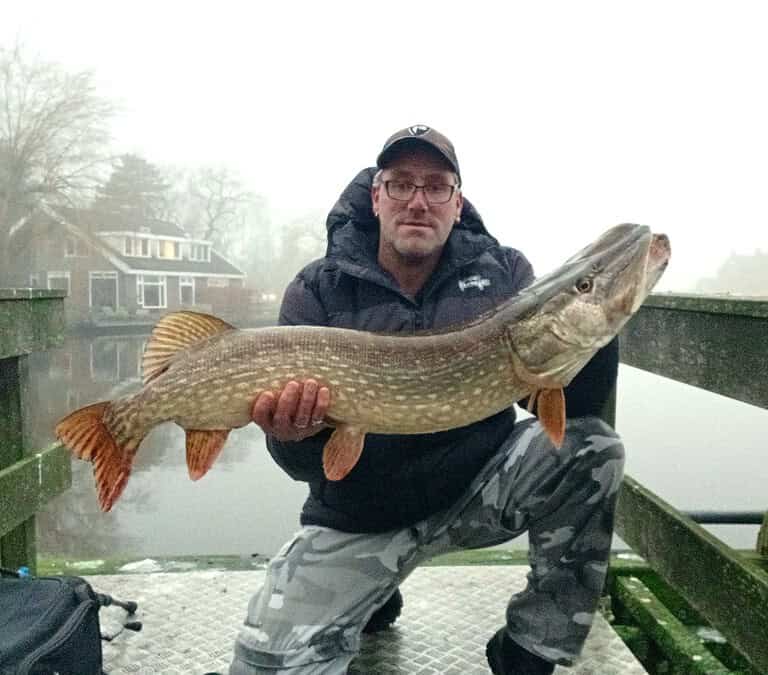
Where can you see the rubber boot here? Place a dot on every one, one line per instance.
(385, 615)
(506, 657)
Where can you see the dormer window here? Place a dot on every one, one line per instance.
(170, 250)
(136, 247)
(200, 252)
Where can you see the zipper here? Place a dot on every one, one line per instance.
(61, 636)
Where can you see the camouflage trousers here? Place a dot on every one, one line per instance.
(324, 585)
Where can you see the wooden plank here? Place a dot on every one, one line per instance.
(717, 344)
(17, 542)
(30, 320)
(28, 484)
(762, 538)
(11, 427)
(684, 651)
(19, 548)
(730, 592)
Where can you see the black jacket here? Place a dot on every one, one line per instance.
(402, 479)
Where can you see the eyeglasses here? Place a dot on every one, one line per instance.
(434, 193)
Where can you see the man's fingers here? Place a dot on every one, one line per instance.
(286, 406)
(263, 409)
(296, 412)
(322, 402)
(306, 404)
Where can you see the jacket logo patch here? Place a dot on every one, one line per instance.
(474, 281)
(418, 129)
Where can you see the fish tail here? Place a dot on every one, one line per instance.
(86, 433)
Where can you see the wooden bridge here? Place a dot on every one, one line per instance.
(685, 603)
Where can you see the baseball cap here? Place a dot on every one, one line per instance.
(419, 133)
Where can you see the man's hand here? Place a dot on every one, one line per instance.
(296, 413)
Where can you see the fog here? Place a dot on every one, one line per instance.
(567, 117)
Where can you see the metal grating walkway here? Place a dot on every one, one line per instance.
(191, 619)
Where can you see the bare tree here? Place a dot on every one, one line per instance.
(301, 240)
(221, 202)
(53, 138)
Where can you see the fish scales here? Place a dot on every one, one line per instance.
(386, 384)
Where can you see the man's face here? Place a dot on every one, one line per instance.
(414, 230)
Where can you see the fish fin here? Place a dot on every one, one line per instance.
(88, 437)
(551, 413)
(342, 451)
(174, 333)
(203, 447)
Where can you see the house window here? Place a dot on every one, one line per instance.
(103, 289)
(138, 247)
(73, 247)
(218, 282)
(150, 291)
(169, 249)
(59, 280)
(187, 290)
(200, 252)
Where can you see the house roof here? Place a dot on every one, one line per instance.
(82, 224)
(106, 221)
(217, 265)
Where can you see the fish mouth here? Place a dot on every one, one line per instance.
(649, 269)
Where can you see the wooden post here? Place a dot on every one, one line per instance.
(17, 547)
(762, 538)
(29, 320)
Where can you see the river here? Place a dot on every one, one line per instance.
(695, 449)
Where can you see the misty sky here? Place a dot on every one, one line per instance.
(568, 117)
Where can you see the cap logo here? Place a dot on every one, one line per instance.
(418, 129)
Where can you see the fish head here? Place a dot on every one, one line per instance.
(567, 315)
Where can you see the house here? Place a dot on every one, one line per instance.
(114, 268)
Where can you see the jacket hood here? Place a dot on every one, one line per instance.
(353, 230)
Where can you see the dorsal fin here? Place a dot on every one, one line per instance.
(174, 333)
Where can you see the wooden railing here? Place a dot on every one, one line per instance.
(718, 344)
(30, 320)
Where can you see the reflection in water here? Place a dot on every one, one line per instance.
(244, 505)
(695, 449)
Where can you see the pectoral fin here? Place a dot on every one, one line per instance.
(532, 400)
(203, 447)
(342, 451)
(550, 409)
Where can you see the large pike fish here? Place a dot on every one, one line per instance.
(205, 375)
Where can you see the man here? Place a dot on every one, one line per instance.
(406, 252)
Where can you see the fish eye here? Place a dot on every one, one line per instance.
(585, 285)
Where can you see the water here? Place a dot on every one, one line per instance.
(695, 449)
